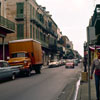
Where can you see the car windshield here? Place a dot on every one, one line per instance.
(3, 64)
(20, 54)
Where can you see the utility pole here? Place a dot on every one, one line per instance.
(89, 84)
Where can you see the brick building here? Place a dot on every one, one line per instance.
(31, 21)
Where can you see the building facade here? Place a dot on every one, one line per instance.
(32, 21)
(60, 46)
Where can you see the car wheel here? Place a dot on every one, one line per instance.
(13, 77)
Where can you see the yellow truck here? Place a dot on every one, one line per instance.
(26, 52)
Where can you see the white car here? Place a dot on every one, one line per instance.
(69, 63)
(8, 71)
(53, 64)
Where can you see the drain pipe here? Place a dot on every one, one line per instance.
(89, 84)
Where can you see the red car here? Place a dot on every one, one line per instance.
(69, 63)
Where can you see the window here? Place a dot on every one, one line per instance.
(33, 12)
(41, 36)
(20, 9)
(4, 64)
(20, 31)
(20, 54)
(37, 34)
(30, 11)
(33, 32)
(50, 24)
(30, 31)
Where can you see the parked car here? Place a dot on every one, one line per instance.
(61, 62)
(69, 63)
(53, 64)
(7, 71)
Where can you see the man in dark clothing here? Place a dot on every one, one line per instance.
(85, 64)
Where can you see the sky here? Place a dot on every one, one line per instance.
(72, 17)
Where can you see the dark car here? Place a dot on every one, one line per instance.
(8, 71)
(76, 62)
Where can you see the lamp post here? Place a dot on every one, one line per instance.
(89, 84)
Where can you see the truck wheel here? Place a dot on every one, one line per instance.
(13, 77)
(37, 70)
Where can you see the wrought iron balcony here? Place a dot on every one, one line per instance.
(38, 22)
(7, 25)
(96, 15)
(44, 44)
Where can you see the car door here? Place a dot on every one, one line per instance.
(2, 73)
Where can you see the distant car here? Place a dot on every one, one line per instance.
(61, 62)
(7, 71)
(69, 63)
(53, 64)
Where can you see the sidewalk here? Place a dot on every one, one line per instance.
(83, 90)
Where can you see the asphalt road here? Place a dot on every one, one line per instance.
(46, 86)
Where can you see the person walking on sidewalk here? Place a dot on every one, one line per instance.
(96, 68)
(85, 64)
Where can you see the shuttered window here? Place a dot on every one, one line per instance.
(20, 31)
(30, 31)
(30, 11)
(33, 12)
(36, 34)
(20, 9)
(41, 36)
(33, 32)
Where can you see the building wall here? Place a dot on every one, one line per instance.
(9, 10)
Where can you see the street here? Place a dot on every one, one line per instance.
(45, 86)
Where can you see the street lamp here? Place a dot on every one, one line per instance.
(89, 85)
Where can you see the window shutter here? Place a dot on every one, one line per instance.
(20, 9)
(20, 31)
(30, 31)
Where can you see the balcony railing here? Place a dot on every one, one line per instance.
(96, 14)
(7, 23)
(38, 22)
(44, 44)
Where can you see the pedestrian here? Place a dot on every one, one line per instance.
(85, 64)
(96, 68)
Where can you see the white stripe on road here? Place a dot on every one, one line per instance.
(77, 88)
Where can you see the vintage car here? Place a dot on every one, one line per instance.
(69, 63)
(7, 71)
(53, 64)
